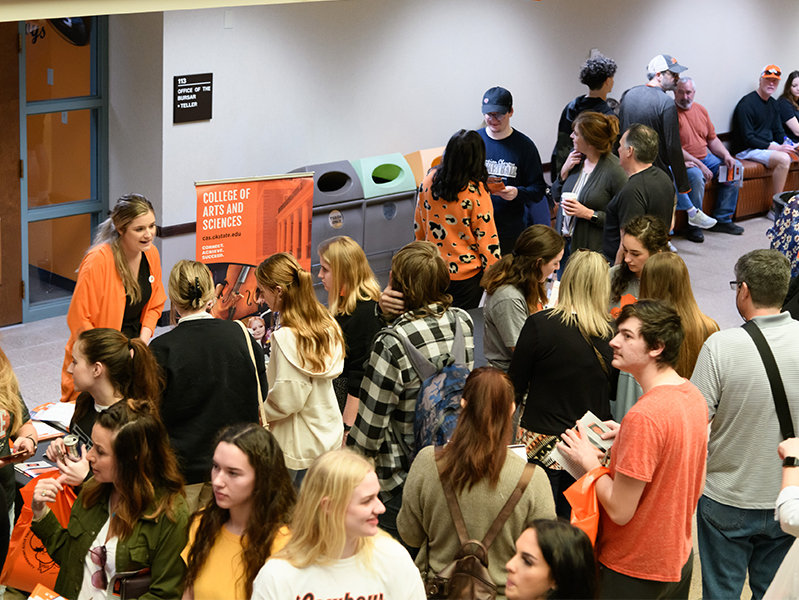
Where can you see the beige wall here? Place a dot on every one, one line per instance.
(309, 83)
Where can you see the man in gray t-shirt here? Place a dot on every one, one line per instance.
(735, 517)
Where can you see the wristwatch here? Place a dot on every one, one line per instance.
(790, 461)
(594, 217)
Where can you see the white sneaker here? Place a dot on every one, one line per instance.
(673, 248)
(701, 220)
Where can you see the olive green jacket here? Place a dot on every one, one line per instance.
(155, 543)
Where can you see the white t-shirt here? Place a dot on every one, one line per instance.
(87, 590)
(393, 576)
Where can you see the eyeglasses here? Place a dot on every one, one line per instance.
(99, 555)
(734, 285)
(776, 72)
(497, 116)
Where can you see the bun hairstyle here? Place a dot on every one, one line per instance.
(191, 286)
(599, 131)
(129, 365)
(148, 476)
(536, 246)
(316, 331)
(127, 208)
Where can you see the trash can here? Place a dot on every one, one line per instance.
(389, 188)
(338, 208)
(422, 161)
(779, 201)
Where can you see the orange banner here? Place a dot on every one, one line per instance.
(244, 221)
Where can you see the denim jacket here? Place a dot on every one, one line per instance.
(155, 543)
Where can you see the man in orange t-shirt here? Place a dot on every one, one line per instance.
(704, 154)
(657, 463)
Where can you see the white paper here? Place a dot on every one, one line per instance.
(59, 412)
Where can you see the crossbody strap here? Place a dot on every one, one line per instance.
(510, 505)
(499, 522)
(774, 379)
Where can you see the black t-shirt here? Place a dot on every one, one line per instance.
(650, 192)
(131, 320)
(788, 112)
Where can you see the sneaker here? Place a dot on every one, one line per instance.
(701, 220)
(728, 227)
(694, 234)
(672, 247)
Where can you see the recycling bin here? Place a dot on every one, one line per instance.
(338, 208)
(422, 161)
(389, 189)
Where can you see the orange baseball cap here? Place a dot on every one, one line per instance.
(771, 72)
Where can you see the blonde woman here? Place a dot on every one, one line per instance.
(562, 362)
(353, 294)
(665, 277)
(307, 355)
(119, 280)
(210, 378)
(336, 549)
(17, 426)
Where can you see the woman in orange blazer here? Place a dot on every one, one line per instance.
(119, 280)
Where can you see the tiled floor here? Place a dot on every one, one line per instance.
(36, 350)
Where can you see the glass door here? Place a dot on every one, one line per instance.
(63, 147)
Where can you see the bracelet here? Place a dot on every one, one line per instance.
(790, 461)
(347, 428)
(35, 443)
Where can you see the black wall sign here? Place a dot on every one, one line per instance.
(192, 98)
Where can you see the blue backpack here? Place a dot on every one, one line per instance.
(439, 401)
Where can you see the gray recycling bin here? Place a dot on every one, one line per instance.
(337, 208)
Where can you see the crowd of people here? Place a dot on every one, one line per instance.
(282, 457)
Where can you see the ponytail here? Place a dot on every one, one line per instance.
(316, 331)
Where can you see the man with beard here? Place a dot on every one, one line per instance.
(704, 154)
(650, 105)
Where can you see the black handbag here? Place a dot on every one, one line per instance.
(129, 585)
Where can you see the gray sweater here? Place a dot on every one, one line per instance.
(425, 515)
(606, 180)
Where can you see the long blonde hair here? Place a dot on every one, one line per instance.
(9, 393)
(127, 208)
(665, 277)
(583, 294)
(352, 277)
(318, 530)
(317, 332)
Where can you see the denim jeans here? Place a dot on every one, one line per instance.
(727, 198)
(732, 540)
